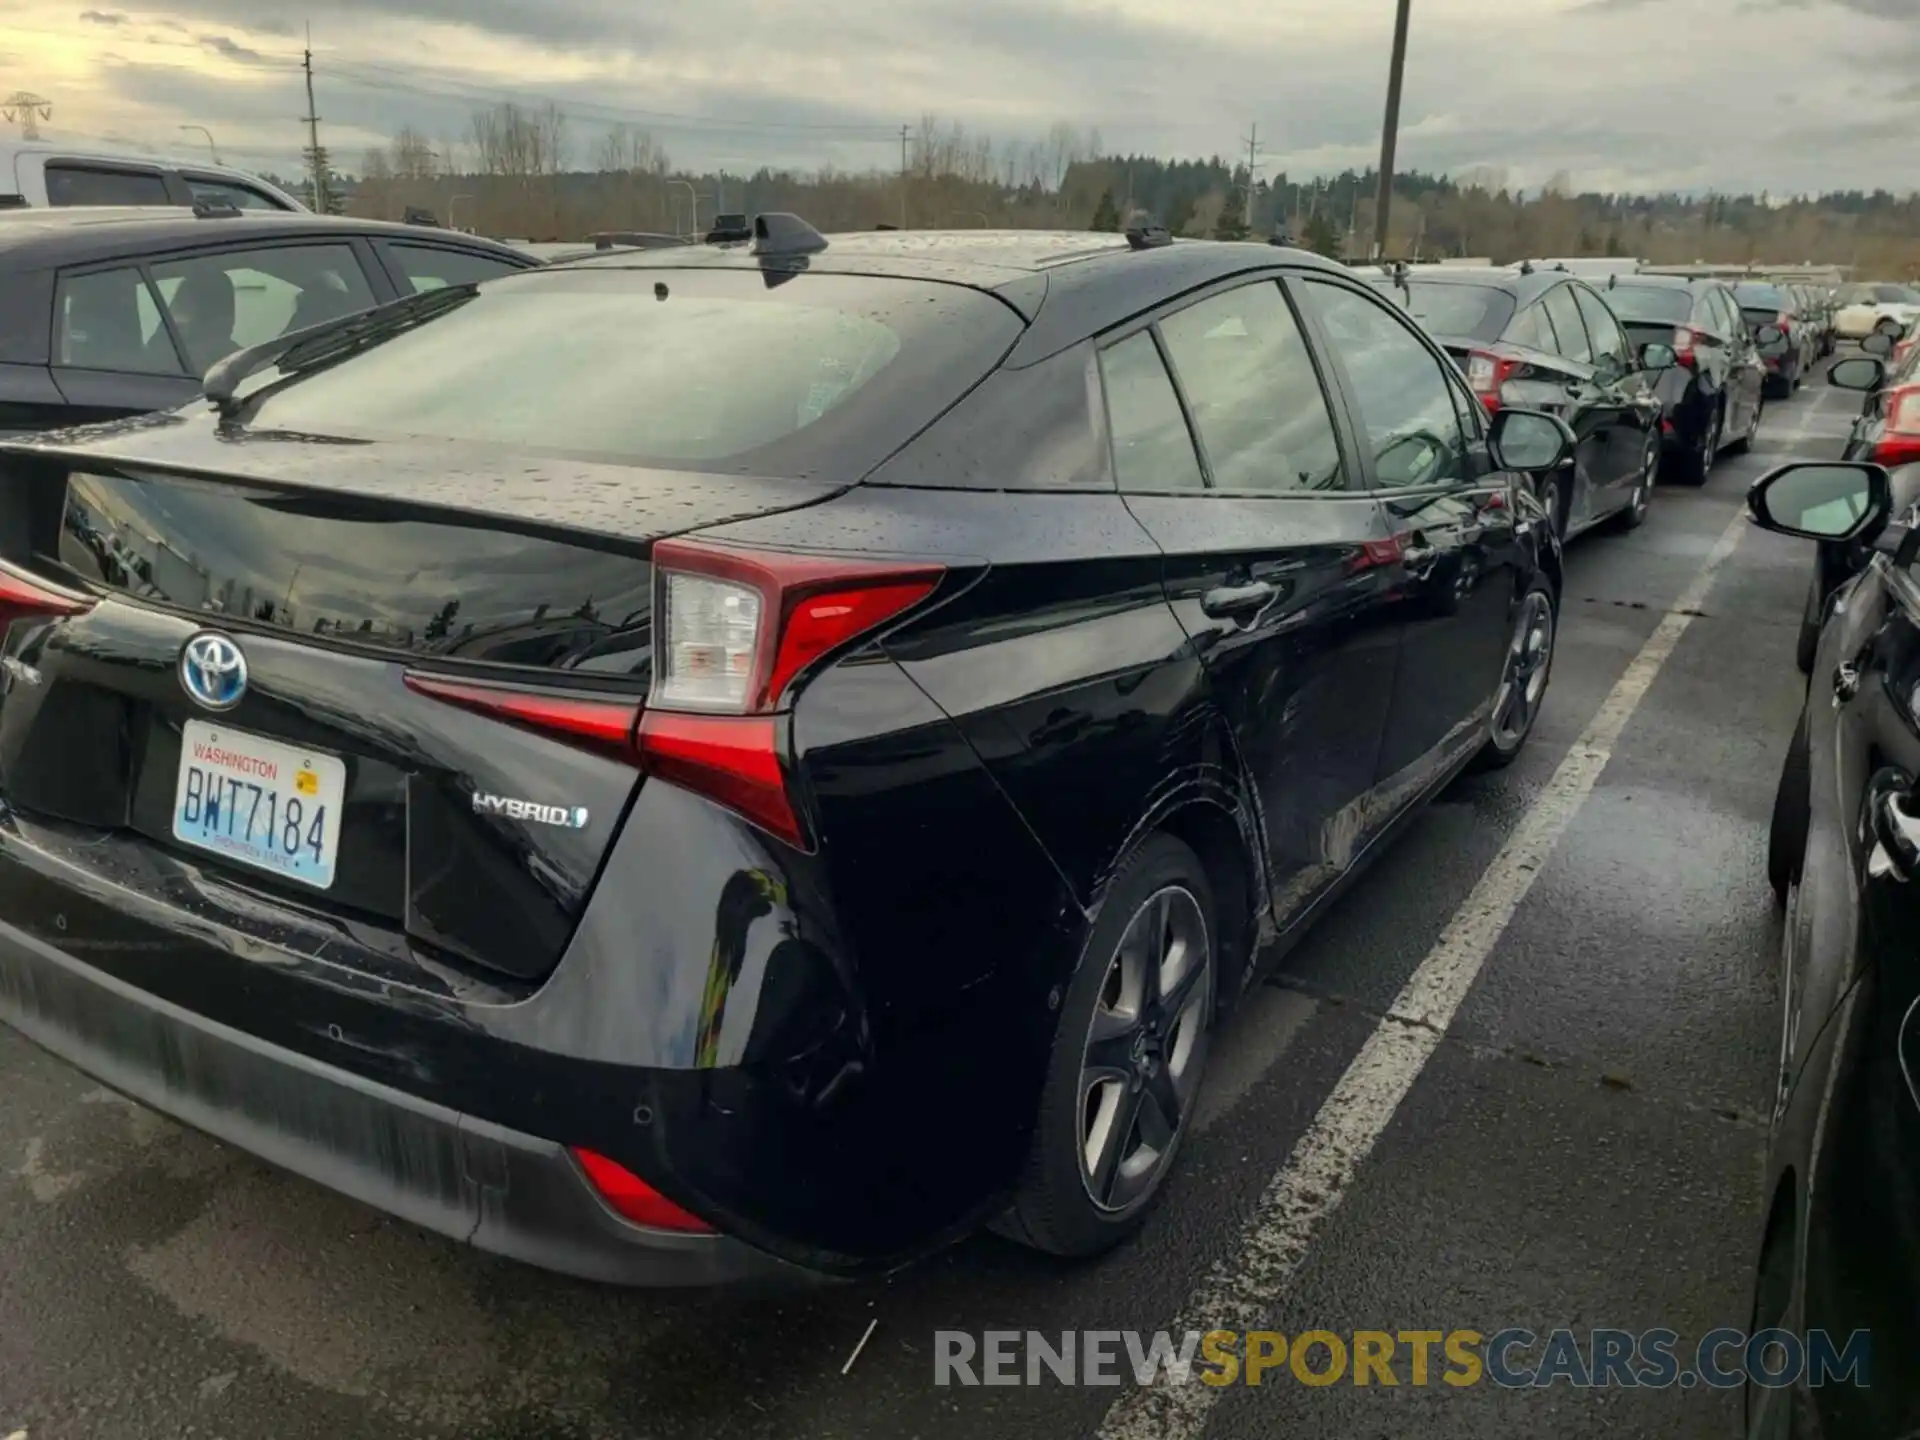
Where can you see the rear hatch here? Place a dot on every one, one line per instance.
(462, 497)
(340, 780)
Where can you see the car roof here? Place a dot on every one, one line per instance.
(1087, 280)
(29, 238)
(1523, 285)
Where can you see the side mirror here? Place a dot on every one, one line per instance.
(1529, 440)
(1866, 375)
(1822, 500)
(1878, 343)
(1655, 356)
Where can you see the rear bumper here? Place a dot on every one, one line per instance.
(497, 1189)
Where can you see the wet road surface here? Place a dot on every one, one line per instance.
(1582, 1148)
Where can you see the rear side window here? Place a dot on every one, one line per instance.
(1152, 449)
(1529, 328)
(433, 267)
(1570, 331)
(1406, 399)
(110, 321)
(1609, 342)
(69, 184)
(207, 190)
(1255, 395)
(812, 374)
(226, 302)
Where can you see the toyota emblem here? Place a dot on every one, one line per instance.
(213, 671)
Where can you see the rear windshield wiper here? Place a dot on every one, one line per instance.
(331, 340)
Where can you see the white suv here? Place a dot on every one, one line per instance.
(36, 173)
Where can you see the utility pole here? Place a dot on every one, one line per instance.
(903, 177)
(27, 110)
(1253, 162)
(316, 157)
(1390, 132)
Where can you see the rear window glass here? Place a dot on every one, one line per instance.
(1477, 311)
(1650, 304)
(692, 369)
(1761, 297)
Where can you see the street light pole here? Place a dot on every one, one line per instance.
(212, 149)
(1390, 133)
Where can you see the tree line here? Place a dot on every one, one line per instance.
(526, 173)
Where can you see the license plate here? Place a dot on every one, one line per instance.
(257, 801)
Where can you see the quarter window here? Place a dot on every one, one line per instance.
(1152, 450)
(1255, 395)
(1529, 328)
(226, 192)
(433, 267)
(1609, 341)
(110, 321)
(1406, 401)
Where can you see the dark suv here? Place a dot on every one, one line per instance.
(109, 312)
(1542, 340)
(1712, 398)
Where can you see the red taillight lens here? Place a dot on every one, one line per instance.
(1686, 344)
(22, 597)
(633, 1199)
(1487, 374)
(1900, 445)
(733, 760)
(604, 724)
(1784, 324)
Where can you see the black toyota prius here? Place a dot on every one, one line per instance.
(759, 756)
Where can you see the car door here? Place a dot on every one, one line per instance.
(1633, 441)
(1278, 564)
(1586, 408)
(113, 353)
(1744, 372)
(1453, 520)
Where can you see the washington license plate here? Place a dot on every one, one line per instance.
(257, 801)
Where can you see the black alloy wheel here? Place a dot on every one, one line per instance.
(1128, 1056)
(1706, 449)
(1745, 442)
(1523, 680)
(1634, 514)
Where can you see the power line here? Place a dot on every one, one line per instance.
(27, 110)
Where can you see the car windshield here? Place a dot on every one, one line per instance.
(1479, 312)
(1650, 304)
(675, 368)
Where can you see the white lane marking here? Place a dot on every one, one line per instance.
(1238, 1293)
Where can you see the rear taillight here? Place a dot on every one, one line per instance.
(633, 1199)
(732, 631)
(1686, 343)
(1900, 443)
(22, 597)
(1487, 374)
(1784, 324)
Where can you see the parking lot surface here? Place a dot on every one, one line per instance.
(1582, 1148)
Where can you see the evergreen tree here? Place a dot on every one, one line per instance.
(1232, 224)
(1106, 215)
(1320, 237)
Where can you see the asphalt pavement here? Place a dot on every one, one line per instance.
(1575, 1140)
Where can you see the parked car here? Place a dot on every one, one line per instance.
(1816, 306)
(1771, 308)
(36, 174)
(1839, 1253)
(1544, 340)
(1863, 307)
(111, 312)
(689, 763)
(1887, 433)
(1713, 397)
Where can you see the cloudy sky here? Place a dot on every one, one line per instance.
(1785, 95)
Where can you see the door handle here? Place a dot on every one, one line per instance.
(1846, 681)
(1233, 602)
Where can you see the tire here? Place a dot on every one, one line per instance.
(1634, 514)
(1151, 1059)
(1529, 667)
(1697, 463)
(1745, 442)
(1792, 816)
